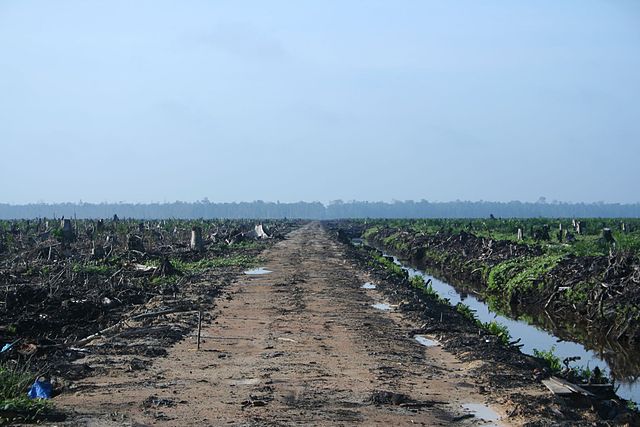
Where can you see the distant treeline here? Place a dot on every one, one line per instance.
(317, 210)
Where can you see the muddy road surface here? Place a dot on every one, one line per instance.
(302, 345)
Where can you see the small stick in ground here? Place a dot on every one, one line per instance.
(199, 327)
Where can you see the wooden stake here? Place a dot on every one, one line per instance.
(199, 327)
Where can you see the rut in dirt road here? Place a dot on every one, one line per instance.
(300, 345)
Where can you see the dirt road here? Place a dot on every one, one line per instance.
(298, 346)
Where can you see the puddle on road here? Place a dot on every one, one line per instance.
(426, 341)
(382, 306)
(482, 412)
(368, 285)
(257, 271)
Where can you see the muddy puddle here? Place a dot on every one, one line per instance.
(368, 285)
(382, 306)
(532, 336)
(427, 342)
(257, 271)
(483, 413)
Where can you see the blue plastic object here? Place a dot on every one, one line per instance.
(40, 390)
(6, 347)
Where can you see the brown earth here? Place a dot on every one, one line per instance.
(299, 346)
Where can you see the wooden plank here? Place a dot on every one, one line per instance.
(571, 386)
(563, 387)
(556, 388)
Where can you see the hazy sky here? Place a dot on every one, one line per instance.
(319, 100)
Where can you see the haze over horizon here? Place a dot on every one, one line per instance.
(289, 101)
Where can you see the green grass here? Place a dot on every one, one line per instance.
(14, 381)
(467, 312)
(521, 274)
(499, 330)
(552, 361)
(14, 403)
(203, 265)
(100, 269)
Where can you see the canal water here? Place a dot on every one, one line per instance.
(531, 336)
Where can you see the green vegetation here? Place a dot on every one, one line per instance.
(14, 403)
(589, 242)
(552, 361)
(193, 267)
(576, 373)
(13, 381)
(520, 261)
(467, 312)
(493, 327)
(92, 268)
(499, 330)
(520, 275)
(426, 288)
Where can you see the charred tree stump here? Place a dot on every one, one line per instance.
(67, 231)
(196, 239)
(97, 251)
(607, 236)
(560, 234)
(166, 268)
(134, 243)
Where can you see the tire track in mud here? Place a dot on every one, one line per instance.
(301, 345)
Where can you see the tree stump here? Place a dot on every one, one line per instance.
(166, 268)
(67, 231)
(97, 251)
(196, 239)
(607, 236)
(581, 227)
(520, 234)
(134, 243)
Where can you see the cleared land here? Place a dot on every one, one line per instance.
(300, 345)
(305, 344)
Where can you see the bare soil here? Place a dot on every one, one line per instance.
(302, 345)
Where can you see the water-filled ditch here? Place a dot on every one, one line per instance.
(533, 337)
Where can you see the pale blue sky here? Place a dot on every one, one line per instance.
(299, 100)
